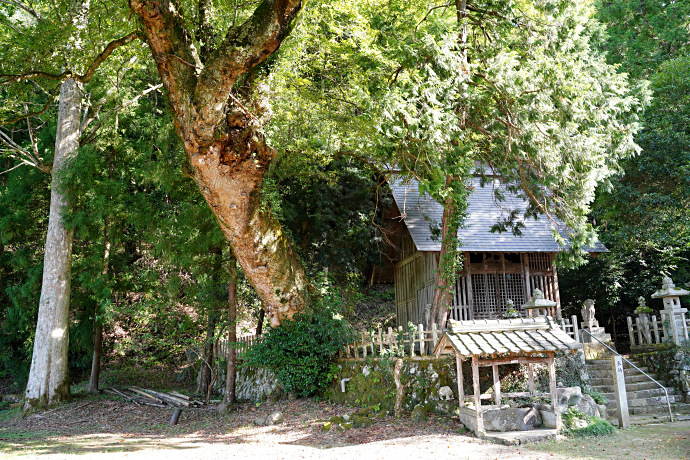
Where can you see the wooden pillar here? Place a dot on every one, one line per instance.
(556, 292)
(470, 295)
(530, 378)
(554, 390)
(497, 384)
(477, 393)
(461, 388)
(525, 266)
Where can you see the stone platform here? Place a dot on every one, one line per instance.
(514, 438)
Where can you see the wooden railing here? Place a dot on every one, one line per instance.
(412, 342)
(569, 326)
(645, 330)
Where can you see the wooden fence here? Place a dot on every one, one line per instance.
(570, 327)
(412, 342)
(644, 330)
(242, 345)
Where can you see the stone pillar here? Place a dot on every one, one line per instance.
(620, 394)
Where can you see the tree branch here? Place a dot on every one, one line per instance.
(243, 48)
(45, 108)
(90, 136)
(110, 47)
(21, 5)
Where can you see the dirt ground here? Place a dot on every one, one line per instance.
(110, 428)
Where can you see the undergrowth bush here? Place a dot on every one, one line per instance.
(301, 351)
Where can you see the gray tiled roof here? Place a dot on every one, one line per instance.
(505, 337)
(483, 212)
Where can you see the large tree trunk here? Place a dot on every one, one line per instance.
(49, 376)
(223, 141)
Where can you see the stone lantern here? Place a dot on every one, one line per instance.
(538, 305)
(672, 316)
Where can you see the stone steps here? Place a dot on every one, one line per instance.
(629, 380)
(629, 387)
(644, 396)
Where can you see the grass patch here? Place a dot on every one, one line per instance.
(597, 427)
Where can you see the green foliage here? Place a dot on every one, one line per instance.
(644, 219)
(597, 427)
(642, 34)
(300, 351)
(597, 396)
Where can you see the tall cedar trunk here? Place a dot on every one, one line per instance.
(96, 358)
(206, 371)
(223, 139)
(49, 375)
(98, 324)
(230, 378)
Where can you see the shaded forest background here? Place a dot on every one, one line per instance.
(152, 268)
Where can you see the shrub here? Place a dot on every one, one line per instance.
(595, 426)
(300, 352)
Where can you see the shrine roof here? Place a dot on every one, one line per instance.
(504, 337)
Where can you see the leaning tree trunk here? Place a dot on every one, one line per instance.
(223, 138)
(447, 272)
(49, 375)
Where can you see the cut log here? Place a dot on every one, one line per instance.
(169, 398)
(180, 395)
(119, 393)
(141, 392)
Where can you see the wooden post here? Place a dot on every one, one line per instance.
(554, 391)
(576, 330)
(380, 342)
(655, 327)
(630, 331)
(470, 294)
(639, 330)
(497, 385)
(422, 340)
(530, 378)
(525, 265)
(556, 292)
(461, 386)
(620, 393)
(477, 394)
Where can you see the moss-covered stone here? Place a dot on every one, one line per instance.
(419, 414)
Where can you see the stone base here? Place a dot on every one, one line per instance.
(511, 418)
(597, 350)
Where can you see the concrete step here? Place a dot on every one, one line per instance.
(646, 402)
(605, 364)
(629, 380)
(609, 373)
(679, 413)
(629, 387)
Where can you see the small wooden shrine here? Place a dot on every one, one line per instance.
(493, 343)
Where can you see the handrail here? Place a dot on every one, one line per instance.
(668, 402)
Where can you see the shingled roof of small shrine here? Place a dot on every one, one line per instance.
(505, 337)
